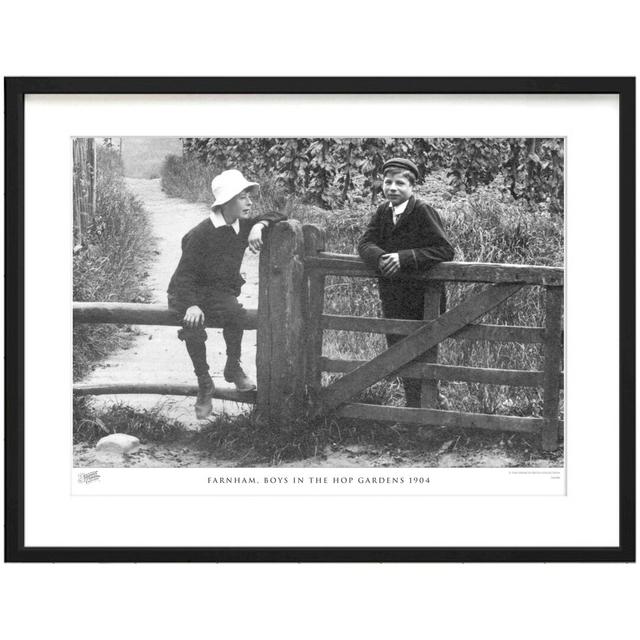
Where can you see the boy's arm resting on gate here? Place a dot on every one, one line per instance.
(257, 227)
(268, 219)
(435, 244)
(368, 247)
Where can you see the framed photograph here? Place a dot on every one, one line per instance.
(320, 319)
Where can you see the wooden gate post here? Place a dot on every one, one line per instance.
(79, 190)
(314, 241)
(552, 366)
(280, 351)
(432, 307)
(92, 157)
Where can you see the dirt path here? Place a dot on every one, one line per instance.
(156, 355)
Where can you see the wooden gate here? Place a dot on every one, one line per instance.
(416, 355)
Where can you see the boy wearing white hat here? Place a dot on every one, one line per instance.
(205, 286)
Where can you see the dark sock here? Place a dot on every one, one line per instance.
(198, 353)
(233, 339)
(412, 391)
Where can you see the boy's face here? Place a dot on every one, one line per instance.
(396, 188)
(238, 207)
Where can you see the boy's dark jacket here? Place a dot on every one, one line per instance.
(211, 259)
(418, 237)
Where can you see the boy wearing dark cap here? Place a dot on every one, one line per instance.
(404, 235)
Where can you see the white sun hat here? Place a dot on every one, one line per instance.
(229, 184)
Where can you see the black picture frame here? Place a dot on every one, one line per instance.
(15, 91)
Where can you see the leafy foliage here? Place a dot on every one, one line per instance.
(331, 172)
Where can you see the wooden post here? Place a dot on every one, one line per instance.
(92, 170)
(77, 192)
(263, 332)
(552, 366)
(280, 353)
(432, 299)
(314, 241)
(81, 187)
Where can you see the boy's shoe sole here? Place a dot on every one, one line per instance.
(249, 387)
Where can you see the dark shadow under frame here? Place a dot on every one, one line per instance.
(15, 91)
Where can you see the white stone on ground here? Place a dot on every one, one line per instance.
(118, 443)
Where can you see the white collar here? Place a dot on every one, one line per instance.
(218, 221)
(399, 209)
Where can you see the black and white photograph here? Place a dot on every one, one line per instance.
(329, 302)
(360, 317)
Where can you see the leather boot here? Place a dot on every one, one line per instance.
(203, 401)
(233, 373)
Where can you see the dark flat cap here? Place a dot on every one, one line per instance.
(402, 164)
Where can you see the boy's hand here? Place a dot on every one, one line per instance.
(389, 264)
(193, 317)
(255, 237)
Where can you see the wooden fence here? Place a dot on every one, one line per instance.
(290, 321)
(84, 186)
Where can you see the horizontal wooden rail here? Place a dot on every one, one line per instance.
(494, 332)
(415, 345)
(440, 418)
(350, 265)
(82, 389)
(134, 313)
(430, 371)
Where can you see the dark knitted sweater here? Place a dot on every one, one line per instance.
(211, 260)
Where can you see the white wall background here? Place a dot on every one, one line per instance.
(329, 38)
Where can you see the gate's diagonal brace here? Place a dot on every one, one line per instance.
(414, 345)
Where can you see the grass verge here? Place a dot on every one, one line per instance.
(112, 264)
(245, 441)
